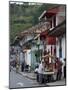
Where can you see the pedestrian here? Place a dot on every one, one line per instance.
(65, 69)
(17, 61)
(22, 66)
(59, 69)
(41, 72)
(37, 74)
(22, 61)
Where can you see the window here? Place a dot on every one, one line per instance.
(53, 22)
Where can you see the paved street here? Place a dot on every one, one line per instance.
(17, 81)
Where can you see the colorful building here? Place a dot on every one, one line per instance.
(49, 36)
(56, 34)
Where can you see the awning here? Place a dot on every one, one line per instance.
(58, 30)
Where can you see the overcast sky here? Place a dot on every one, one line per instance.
(20, 2)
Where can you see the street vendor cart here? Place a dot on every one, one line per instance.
(50, 72)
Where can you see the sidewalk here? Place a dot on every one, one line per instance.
(62, 82)
(29, 75)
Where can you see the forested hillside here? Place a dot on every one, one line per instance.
(24, 16)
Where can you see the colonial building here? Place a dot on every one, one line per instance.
(49, 36)
(56, 35)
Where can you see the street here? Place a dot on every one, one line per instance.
(18, 81)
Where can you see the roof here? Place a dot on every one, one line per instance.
(58, 30)
(49, 13)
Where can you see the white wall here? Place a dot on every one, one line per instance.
(28, 57)
(63, 47)
(60, 16)
(48, 47)
(57, 47)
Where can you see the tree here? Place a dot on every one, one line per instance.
(24, 16)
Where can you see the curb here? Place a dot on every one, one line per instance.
(24, 75)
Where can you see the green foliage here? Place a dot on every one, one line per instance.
(24, 16)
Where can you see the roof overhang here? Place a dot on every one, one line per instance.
(49, 13)
(58, 30)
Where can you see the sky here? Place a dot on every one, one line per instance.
(18, 2)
